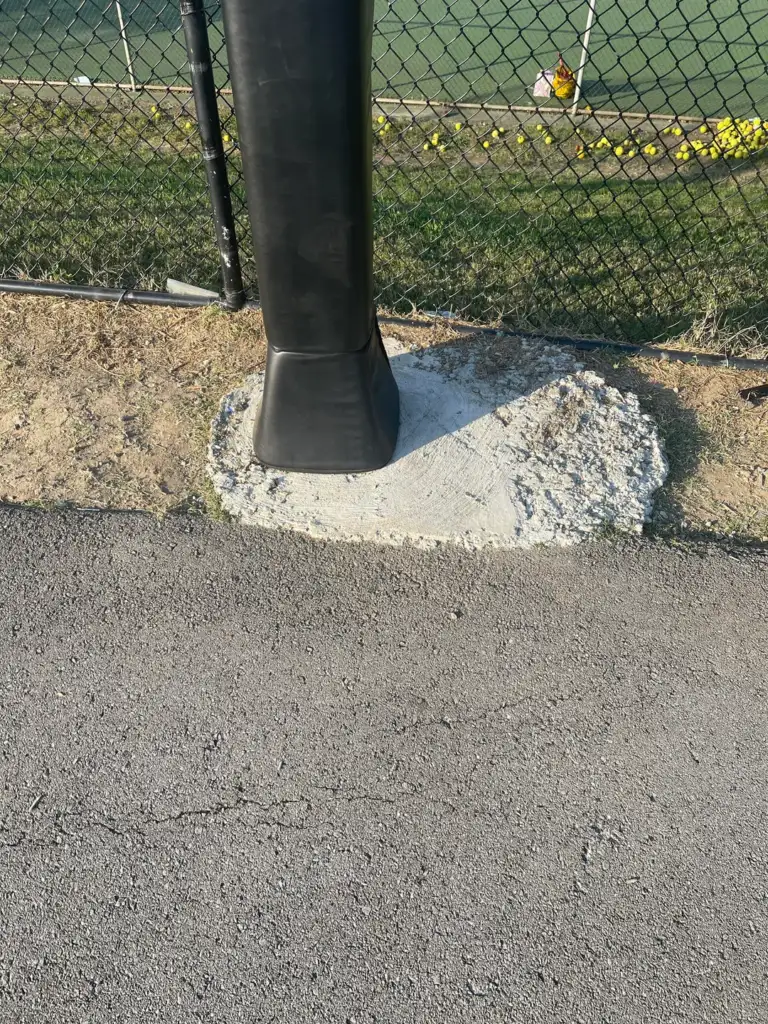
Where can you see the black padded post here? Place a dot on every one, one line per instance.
(301, 77)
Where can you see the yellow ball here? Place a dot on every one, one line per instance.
(581, 156)
(686, 156)
(539, 127)
(226, 138)
(494, 134)
(704, 129)
(458, 126)
(619, 151)
(520, 140)
(442, 149)
(188, 126)
(631, 153)
(677, 131)
(382, 132)
(153, 109)
(548, 141)
(381, 119)
(426, 145)
(486, 144)
(157, 115)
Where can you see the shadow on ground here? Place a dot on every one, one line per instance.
(685, 438)
(517, 370)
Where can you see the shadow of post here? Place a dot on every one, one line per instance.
(684, 437)
(476, 377)
(504, 369)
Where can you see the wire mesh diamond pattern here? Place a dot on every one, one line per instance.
(101, 180)
(590, 167)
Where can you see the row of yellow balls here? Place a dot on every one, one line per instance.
(628, 148)
(521, 139)
(733, 138)
(188, 125)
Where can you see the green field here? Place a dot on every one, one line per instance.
(541, 241)
(531, 236)
(688, 57)
(59, 39)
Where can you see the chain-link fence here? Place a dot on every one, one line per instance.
(620, 194)
(101, 177)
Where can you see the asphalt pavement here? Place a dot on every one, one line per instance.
(251, 778)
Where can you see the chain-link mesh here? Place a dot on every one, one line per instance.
(101, 179)
(626, 200)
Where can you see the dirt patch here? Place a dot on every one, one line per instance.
(106, 406)
(716, 441)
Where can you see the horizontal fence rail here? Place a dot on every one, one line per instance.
(619, 194)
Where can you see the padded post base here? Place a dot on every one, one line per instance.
(337, 413)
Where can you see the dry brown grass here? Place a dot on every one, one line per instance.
(712, 334)
(105, 406)
(110, 407)
(716, 442)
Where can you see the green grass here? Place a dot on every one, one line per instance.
(632, 260)
(83, 213)
(688, 57)
(528, 237)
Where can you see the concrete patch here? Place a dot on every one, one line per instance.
(488, 456)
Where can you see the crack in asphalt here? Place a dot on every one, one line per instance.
(144, 826)
(437, 786)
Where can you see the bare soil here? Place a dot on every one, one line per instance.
(110, 407)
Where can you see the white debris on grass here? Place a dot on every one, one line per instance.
(543, 453)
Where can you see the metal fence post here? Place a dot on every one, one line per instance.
(584, 55)
(301, 75)
(124, 37)
(204, 90)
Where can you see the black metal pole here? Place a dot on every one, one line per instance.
(204, 91)
(95, 293)
(301, 72)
